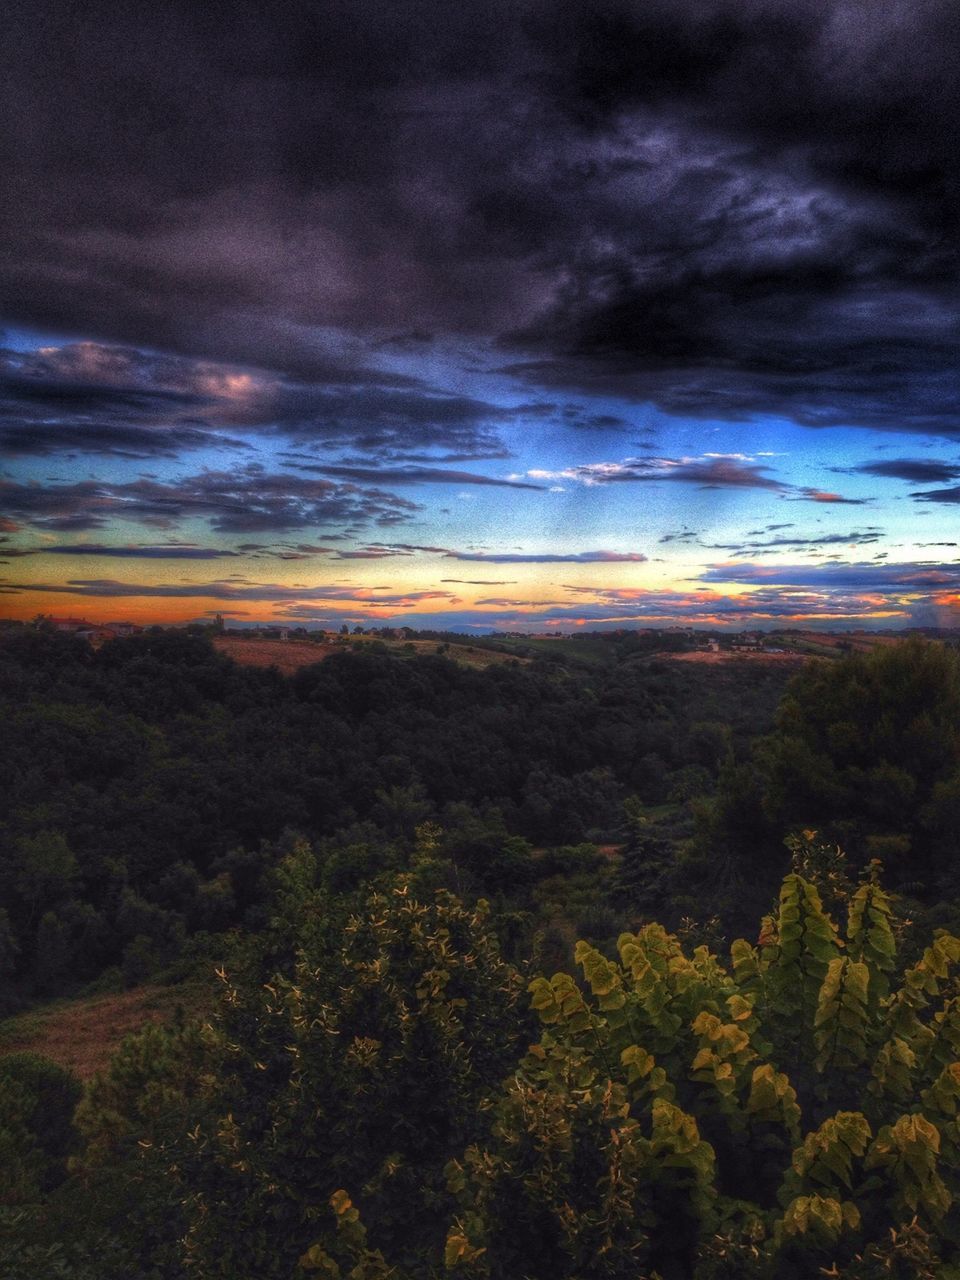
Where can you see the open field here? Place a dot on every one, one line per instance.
(794, 646)
(848, 642)
(727, 656)
(286, 655)
(290, 655)
(82, 1035)
(591, 650)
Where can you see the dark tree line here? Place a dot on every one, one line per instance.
(147, 784)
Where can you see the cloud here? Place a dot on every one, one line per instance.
(679, 535)
(414, 475)
(854, 537)
(581, 557)
(824, 495)
(25, 439)
(230, 589)
(767, 607)
(950, 496)
(916, 470)
(710, 471)
(94, 397)
(822, 595)
(243, 500)
(908, 580)
(517, 557)
(731, 210)
(162, 551)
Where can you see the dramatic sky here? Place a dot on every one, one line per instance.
(518, 316)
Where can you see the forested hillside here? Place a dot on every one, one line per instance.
(544, 971)
(149, 786)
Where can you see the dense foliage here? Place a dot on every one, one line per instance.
(361, 1105)
(868, 751)
(372, 1095)
(764, 1118)
(148, 784)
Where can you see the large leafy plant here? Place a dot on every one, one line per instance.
(364, 1060)
(793, 1110)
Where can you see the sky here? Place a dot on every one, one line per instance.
(520, 316)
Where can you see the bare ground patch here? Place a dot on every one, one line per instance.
(286, 655)
(83, 1035)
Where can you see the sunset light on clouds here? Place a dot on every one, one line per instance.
(486, 317)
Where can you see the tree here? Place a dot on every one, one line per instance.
(51, 1094)
(9, 949)
(867, 750)
(53, 953)
(44, 871)
(654, 1130)
(364, 1060)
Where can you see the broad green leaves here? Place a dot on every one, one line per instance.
(662, 1074)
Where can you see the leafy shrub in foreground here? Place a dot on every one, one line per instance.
(789, 1115)
(655, 1128)
(365, 1059)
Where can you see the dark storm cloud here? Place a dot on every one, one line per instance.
(90, 399)
(97, 398)
(812, 273)
(390, 421)
(729, 209)
(243, 500)
(949, 496)
(29, 439)
(86, 398)
(917, 470)
(172, 551)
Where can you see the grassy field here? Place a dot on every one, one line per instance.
(594, 652)
(289, 655)
(82, 1035)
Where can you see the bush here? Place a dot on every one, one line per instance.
(366, 1059)
(654, 1127)
(47, 1098)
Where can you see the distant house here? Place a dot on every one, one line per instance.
(67, 624)
(748, 641)
(93, 631)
